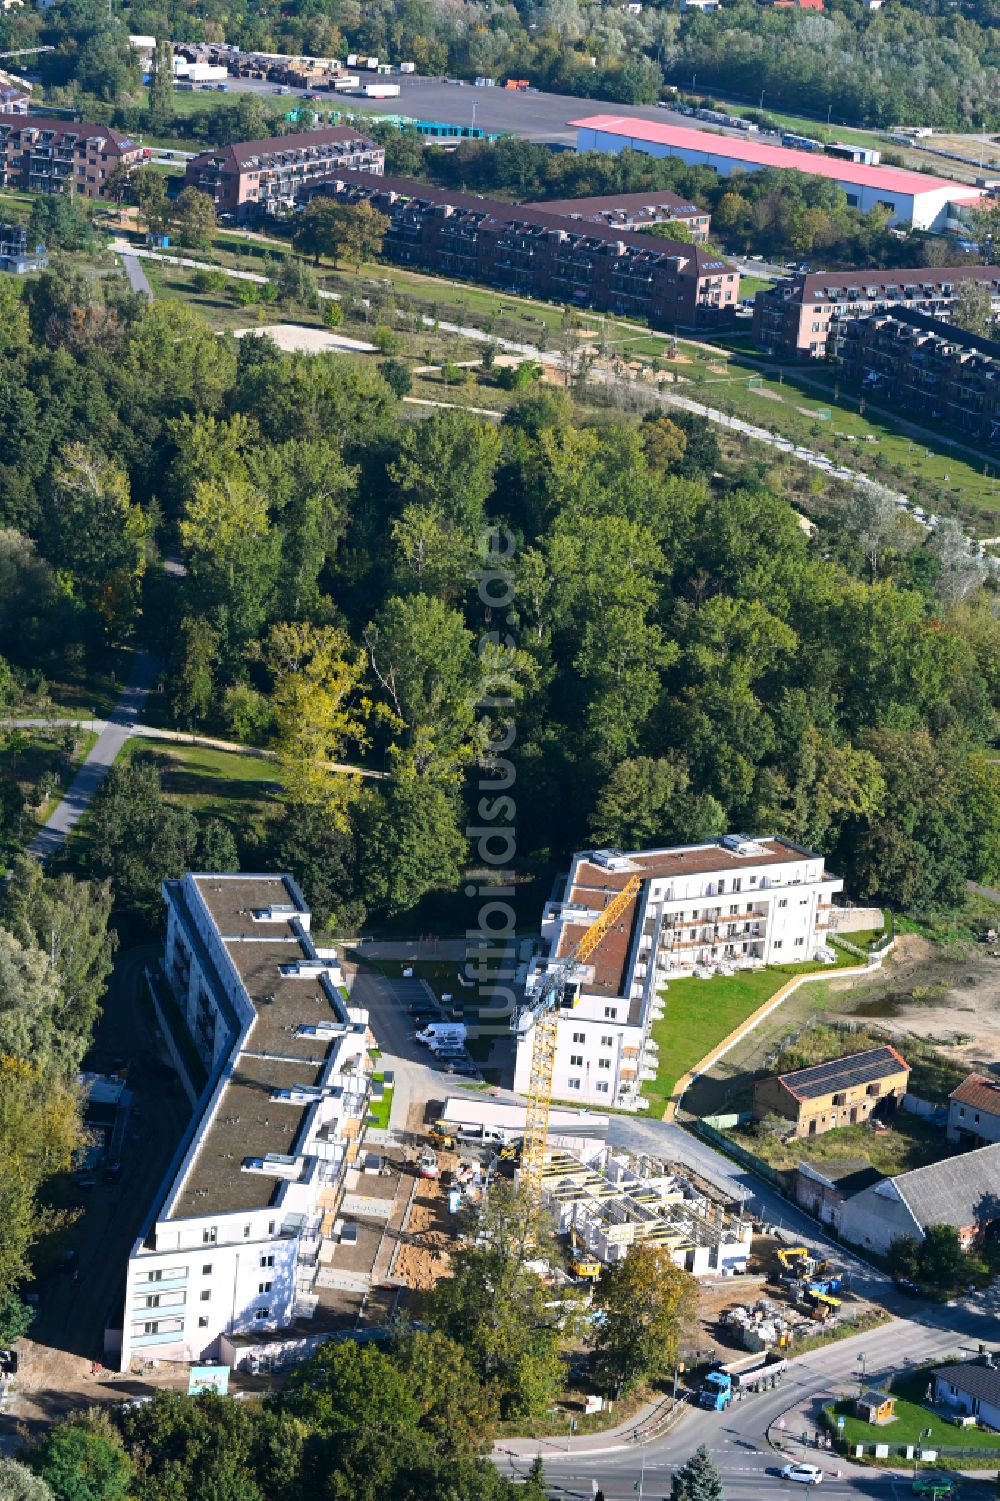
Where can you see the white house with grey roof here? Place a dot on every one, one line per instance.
(232, 1243)
(971, 1388)
(733, 901)
(962, 1191)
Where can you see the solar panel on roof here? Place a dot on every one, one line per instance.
(842, 1073)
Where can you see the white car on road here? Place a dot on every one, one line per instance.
(805, 1474)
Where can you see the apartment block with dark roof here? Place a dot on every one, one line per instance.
(843, 1092)
(939, 374)
(253, 178)
(974, 1111)
(39, 155)
(797, 317)
(633, 211)
(534, 252)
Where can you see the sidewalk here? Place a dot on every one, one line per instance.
(652, 1421)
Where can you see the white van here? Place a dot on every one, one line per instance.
(438, 1035)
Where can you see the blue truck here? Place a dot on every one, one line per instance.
(730, 1383)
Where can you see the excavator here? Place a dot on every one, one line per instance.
(798, 1261)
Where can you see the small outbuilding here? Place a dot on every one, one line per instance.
(875, 1406)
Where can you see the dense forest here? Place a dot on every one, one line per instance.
(908, 63)
(678, 656)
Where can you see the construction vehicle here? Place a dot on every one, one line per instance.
(821, 1305)
(798, 1261)
(582, 1264)
(737, 1379)
(441, 1134)
(427, 1165)
(540, 1011)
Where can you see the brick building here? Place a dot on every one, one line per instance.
(974, 1111)
(533, 252)
(842, 1092)
(795, 316)
(938, 373)
(632, 211)
(250, 178)
(46, 156)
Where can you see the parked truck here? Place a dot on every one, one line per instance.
(437, 1035)
(730, 1383)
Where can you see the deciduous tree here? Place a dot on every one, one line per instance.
(647, 1303)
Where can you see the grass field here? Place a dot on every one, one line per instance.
(912, 1420)
(701, 1013)
(378, 1110)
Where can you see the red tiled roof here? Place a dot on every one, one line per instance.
(979, 1091)
(756, 154)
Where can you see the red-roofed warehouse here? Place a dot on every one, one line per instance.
(911, 198)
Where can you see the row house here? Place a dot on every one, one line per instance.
(938, 373)
(534, 252)
(795, 318)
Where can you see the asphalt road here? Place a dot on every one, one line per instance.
(738, 1439)
(136, 276)
(536, 116)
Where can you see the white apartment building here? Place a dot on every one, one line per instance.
(231, 1245)
(732, 901)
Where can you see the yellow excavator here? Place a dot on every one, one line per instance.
(583, 1266)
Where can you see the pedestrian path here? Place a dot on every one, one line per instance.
(113, 734)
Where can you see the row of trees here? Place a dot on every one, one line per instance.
(55, 958)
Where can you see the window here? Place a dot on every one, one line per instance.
(206, 1270)
(271, 1227)
(246, 1231)
(783, 902)
(209, 1236)
(604, 1063)
(151, 1328)
(799, 942)
(777, 943)
(603, 1087)
(734, 909)
(268, 1259)
(579, 1037)
(264, 1287)
(154, 1301)
(576, 1060)
(608, 1041)
(203, 1321)
(158, 1276)
(262, 1314)
(205, 1295)
(611, 1013)
(573, 1083)
(738, 883)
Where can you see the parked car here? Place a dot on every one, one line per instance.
(112, 1172)
(908, 1286)
(805, 1474)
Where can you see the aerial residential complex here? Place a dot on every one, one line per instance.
(909, 197)
(534, 252)
(935, 371)
(797, 317)
(40, 155)
(239, 1239)
(734, 901)
(252, 178)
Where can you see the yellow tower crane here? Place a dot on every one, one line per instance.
(541, 1011)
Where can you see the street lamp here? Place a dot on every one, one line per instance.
(924, 1433)
(861, 1373)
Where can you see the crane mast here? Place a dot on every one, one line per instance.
(542, 1010)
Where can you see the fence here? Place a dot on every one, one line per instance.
(881, 1448)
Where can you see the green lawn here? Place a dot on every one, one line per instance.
(701, 1013)
(42, 760)
(912, 1419)
(220, 784)
(378, 1110)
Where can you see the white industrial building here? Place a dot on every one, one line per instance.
(729, 902)
(234, 1241)
(910, 197)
